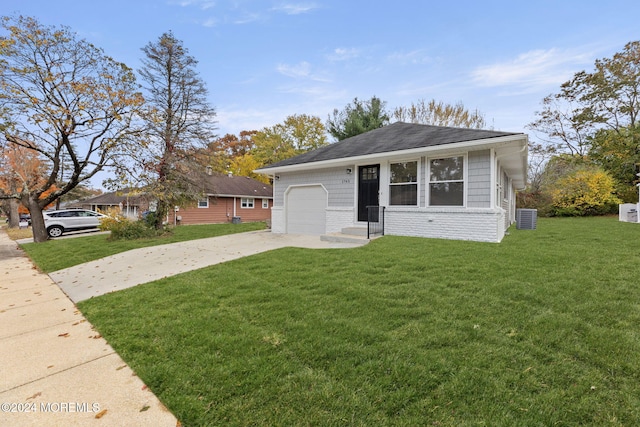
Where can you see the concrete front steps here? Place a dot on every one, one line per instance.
(348, 235)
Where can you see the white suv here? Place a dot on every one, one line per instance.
(58, 222)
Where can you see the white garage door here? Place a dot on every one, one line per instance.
(306, 210)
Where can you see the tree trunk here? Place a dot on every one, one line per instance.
(161, 213)
(14, 216)
(37, 221)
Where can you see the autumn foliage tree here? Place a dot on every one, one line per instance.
(20, 169)
(586, 190)
(223, 154)
(618, 152)
(595, 115)
(298, 134)
(61, 98)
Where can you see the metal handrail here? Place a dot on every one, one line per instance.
(375, 221)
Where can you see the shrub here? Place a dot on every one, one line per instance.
(130, 230)
(585, 191)
(122, 227)
(114, 216)
(150, 219)
(539, 200)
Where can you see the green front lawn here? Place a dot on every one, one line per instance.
(542, 329)
(57, 254)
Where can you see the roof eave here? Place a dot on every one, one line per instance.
(240, 195)
(476, 144)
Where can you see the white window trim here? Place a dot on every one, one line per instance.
(417, 183)
(265, 203)
(465, 180)
(247, 201)
(206, 198)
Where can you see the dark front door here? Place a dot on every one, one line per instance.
(368, 189)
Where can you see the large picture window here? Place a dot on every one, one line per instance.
(403, 188)
(446, 181)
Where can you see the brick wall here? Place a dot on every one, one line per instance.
(483, 225)
(339, 218)
(221, 210)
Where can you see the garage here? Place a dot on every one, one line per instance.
(306, 209)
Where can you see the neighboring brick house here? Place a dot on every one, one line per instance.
(228, 197)
(130, 206)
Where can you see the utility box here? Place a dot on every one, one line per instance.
(236, 220)
(526, 219)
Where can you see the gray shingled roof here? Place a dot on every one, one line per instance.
(108, 199)
(215, 185)
(395, 137)
(240, 186)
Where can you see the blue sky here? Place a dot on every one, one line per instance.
(265, 60)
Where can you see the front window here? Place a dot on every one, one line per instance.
(403, 188)
(246, 203)
(203, 203)
(265, 203)
(446, 181)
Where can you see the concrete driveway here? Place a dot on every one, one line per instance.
(144, 265)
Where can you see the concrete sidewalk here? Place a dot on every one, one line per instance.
(144, 265)
(55, 369)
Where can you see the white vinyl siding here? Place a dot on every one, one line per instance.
(479, 179)
(338, 182)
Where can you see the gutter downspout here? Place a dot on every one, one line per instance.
(524, 147)
(512, 204)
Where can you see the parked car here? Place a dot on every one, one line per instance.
(25, 218)
(61, 221)
(22, 218)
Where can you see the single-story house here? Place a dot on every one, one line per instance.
(129, 205)
(228, 198)
(432, 181)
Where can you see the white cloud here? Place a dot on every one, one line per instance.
(316, 92)
(343, 54)
(295, 8)
(300, 70)
(202, 4)
(234, 121)
(533, 70)
(211, 22)
(418, 56)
